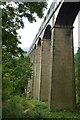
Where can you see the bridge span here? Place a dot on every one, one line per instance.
(52, 55)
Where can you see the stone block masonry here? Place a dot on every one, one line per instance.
(45, 69)
(62, 91)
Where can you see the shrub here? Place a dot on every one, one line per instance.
(13, 108)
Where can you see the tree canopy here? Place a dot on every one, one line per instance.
(12, 20)
(17, 68)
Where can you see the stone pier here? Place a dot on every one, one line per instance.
(45, 65)
(38, 68)
(34, 74)
(62, 84)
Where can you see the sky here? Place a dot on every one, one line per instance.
(30, 30)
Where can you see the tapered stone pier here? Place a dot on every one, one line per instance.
(45, 65)
(62, 84)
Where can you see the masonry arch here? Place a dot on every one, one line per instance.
(67, 13)
(47, 33)
(39, 42)
(63, 91)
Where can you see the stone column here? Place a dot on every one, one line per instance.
(45, 69)
(62, 84)
(34, 74)
(38, 69)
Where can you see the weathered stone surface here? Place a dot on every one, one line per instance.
(34, 70)
(45, 69)
(38, 70)
(62, 90)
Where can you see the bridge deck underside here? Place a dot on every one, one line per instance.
(68, 13)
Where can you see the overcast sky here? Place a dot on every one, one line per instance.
(30, 30)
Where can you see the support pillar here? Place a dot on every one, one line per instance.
(45, 64)
(34, 74)
(62, 84)
(45, 69)
(38, 69)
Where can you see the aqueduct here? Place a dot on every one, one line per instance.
(52, 55)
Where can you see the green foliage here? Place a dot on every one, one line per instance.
(12, 20)
(18, 107)
(78, 76)
(38, 109)
(16, 73)
(64, 114)
(17, 69)
(13, 108)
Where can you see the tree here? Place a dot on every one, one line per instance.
(16, 72)
(78, 76)
(12, 20)
(17, 69)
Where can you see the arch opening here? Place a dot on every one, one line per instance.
(47, 33)
(39, 42)
(68, 13)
